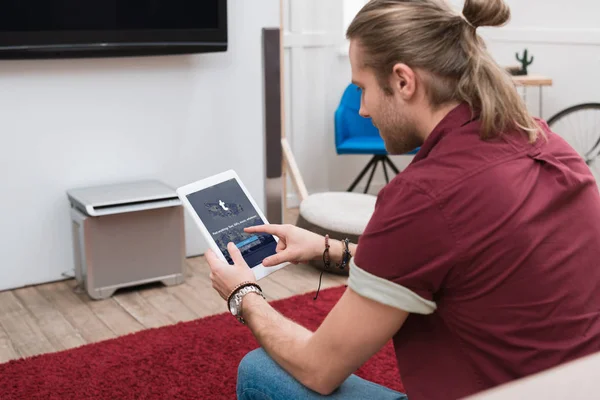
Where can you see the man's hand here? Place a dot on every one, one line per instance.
(297, 245)
(226, 277)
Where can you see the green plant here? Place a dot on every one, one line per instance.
(524, 61)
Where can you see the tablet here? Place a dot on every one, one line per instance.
(222, 207)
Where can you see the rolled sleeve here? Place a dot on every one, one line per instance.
(387, 292)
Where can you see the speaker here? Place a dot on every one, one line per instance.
(272, 70)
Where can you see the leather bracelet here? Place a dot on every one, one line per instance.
(347, 254)
(240, 286)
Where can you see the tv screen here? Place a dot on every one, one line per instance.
(65, 28)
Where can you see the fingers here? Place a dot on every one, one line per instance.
(276, 230)
(275, 259)
(211, 258)
(235, 254)
(280, 246)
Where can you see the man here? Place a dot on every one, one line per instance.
(481, 259)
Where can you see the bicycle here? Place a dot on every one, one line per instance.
(579, 125)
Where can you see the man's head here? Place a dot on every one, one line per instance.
(417, 59)
(392, 106)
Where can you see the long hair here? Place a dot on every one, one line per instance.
(428, 35)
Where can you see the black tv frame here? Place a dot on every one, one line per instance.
(83, 44)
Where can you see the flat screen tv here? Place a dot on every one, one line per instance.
(109, 28)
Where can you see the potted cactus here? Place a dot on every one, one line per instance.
(525, 62)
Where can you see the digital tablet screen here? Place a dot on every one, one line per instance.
(225, 211)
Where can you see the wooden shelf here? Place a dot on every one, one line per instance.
(532, 80)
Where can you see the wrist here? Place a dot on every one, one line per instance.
(250, 303)
(318, 248)
(336, 251)
(237, 299)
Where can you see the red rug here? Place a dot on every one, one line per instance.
(191, 360)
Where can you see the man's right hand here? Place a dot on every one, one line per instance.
(296, 245)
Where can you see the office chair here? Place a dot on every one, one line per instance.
(357, 135)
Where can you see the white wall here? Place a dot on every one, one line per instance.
(565, 41)
(316, 73)
(68, 123)
(556, 15)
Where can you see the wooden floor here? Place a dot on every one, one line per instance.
(56, 316)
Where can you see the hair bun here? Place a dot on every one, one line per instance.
(486, 12)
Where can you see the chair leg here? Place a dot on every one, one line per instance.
(372, 173)
(392, 166)
(372, 165)
(363, 173)
(387, 178)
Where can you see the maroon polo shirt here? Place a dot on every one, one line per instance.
(494, 249)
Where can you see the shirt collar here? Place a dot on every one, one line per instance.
(456, 118)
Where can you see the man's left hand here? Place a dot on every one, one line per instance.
(226, 277)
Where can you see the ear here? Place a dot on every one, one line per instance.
(404, 80)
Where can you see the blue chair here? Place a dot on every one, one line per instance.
(357, 135)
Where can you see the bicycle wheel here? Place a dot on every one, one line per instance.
(579, 125)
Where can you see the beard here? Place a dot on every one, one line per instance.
(398, 131)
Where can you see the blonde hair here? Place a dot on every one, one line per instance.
(429, 35)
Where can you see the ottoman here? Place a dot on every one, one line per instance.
(339, 214)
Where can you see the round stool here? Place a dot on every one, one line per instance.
(340, 214)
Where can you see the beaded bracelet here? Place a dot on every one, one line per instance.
(347, 255)
(239, 287)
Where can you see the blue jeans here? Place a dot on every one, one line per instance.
(260, 378)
